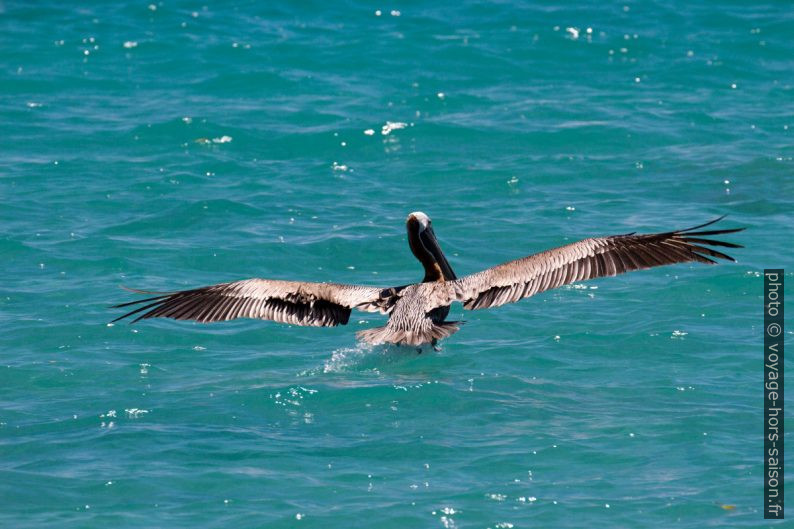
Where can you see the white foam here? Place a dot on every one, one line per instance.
(134, 413)
(391, 126)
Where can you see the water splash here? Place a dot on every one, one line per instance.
(345, 358)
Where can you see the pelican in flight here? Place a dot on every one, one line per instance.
(417, 312)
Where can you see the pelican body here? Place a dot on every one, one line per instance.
(417, 312)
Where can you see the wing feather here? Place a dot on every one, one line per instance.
(298, 303)
(586, 259)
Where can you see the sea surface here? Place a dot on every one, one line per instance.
(175, 144)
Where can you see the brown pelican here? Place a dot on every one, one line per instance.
(417, 312)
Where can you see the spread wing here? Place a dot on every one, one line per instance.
(587, 259)
(298, 303)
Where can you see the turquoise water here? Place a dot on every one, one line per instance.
(173, 145)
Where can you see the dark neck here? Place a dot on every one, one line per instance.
(433, 271)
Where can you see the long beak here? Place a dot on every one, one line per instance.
(428, 239)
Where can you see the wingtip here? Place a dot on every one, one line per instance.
(121, 318)
(709, 223)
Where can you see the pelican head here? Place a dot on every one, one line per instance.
(424, 246)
